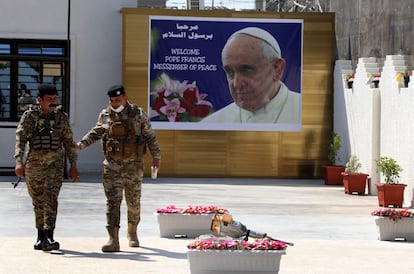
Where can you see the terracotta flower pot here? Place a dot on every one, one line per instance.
(333, 174)
(355, 182)
(390, 194)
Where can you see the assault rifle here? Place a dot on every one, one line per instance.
(224, 225)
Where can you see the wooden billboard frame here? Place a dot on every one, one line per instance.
(187, 153)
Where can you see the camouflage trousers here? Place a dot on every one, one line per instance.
(44, 177)
(119, 178)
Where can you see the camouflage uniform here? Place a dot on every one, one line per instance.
(47, 137)
(123, 171)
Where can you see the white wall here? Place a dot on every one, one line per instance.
(96, 63)
(379, 120)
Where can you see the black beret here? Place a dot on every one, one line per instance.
(116, 91)
(47, 89)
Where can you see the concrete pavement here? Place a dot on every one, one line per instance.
(333, 232)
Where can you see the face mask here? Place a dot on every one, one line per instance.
(119, 109)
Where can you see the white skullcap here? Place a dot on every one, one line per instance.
(262, 35)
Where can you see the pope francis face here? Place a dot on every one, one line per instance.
(253, 78)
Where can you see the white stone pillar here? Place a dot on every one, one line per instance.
(397, 127)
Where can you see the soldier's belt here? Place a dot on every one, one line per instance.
(121, 150)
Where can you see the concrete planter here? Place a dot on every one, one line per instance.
(234, 261)
(183, 225)
(388, 230)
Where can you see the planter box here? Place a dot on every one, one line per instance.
(388, 230)
(184, 225)
(333, 174)
(355, 182)
(234, 261)
(390, 194)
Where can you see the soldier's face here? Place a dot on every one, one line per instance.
(48, 103)
(118, 101)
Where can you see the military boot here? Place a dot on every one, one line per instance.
(113, 243)
(39, 241)
(132, 235)
(48, 242)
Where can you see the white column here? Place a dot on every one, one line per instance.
(397, 127)
(363, 114)
(341, 126)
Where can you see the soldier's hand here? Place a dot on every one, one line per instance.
(74, 174)
(75, 147)
(20, 170)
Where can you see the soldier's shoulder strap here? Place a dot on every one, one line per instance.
(32, 111)
(60, 113)
(135, 111)
(33, 108)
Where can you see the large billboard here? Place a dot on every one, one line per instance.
(225, 74)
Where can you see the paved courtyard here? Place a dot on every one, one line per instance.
(333, 232)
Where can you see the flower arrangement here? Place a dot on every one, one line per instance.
(172, 209)
(393, 214)
(177, 101)
(214, 243)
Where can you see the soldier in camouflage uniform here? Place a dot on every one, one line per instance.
(125, 132)
(47, 132)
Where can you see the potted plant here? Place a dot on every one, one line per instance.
(332, 171)
(229, 255)
(193, 221)
(393, 224)
(391, 192)
(353, 179)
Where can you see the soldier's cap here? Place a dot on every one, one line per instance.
(116, 90)
(262, 35)
(47, 89)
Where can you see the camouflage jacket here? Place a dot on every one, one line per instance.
(57, 126)
(141, 123)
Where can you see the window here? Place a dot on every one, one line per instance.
(24, 64)
(194, 4)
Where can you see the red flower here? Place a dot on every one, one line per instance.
(200, 111)
(393, 214)
(159, 102)
(214, 243)
(193, 210)
(180, 101)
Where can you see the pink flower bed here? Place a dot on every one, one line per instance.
(215, 243)
(394, 214)
(172, 209)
